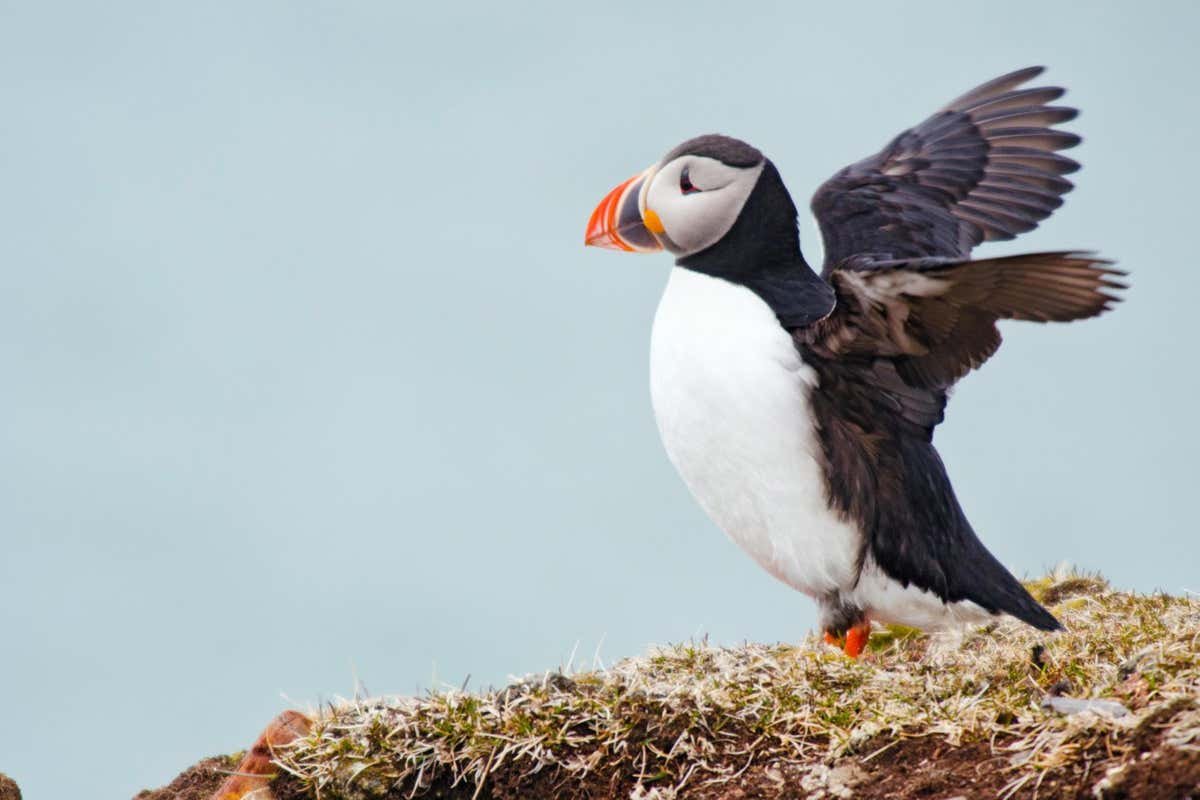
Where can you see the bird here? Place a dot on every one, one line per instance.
(799, 407)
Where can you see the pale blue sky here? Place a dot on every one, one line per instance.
(307, 376)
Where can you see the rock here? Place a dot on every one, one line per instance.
(549, 680)
(1070, 705)
(839, 781)
(640, 793)
(844, 778)
(8, 788)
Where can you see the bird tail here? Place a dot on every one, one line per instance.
(1031, 612)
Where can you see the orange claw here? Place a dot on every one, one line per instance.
(253, 776)
(856, 638)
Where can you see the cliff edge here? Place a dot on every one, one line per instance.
(1108, 709)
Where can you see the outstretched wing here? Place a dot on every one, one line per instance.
(913, 315)
(935, 320)
(901, 334)
(985, 167)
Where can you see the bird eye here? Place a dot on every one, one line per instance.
(685, 183)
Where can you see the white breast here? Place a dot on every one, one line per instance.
(730, 395)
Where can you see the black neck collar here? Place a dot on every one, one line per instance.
(762, 252)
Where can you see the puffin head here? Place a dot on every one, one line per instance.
(720, 207)
(714, 202)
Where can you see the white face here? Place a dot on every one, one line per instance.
(697, 199)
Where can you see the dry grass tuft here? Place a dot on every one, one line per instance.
(692, 716)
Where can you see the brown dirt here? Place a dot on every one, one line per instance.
(632, 733)
(1136, 765)
(197, 782)
(926, 768)
(8, 788)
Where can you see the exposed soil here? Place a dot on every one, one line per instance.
(197, 782)
(912, 769)
(1109, 709)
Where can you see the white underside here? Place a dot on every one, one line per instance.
(730, 395)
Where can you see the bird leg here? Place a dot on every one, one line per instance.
(857, 637)
(253, 776)
(854, 641)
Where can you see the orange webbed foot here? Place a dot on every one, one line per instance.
(853, 642)
(857, 638)
(253, 776)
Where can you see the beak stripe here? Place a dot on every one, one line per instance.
(602, 228)
(631, 225)
(611, 216)
(617, 222)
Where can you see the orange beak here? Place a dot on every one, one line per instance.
(618, 222)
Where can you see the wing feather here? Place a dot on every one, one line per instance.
(936, 318)
(986, 167)
(914, 314)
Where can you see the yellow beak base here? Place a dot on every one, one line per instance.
(652, 222)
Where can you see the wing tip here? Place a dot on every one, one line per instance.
(1028, 73)
(1031, 612)
(1090, 258)
(998, 85)
(1045, 621)
(1106, 288)
(1042, 619)
(1018, 76)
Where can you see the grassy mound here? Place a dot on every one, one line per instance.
(1108, 708)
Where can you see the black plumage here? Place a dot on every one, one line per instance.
(985, 167)
(900, 313)
(914, 315)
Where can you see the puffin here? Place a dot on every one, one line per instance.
(799, 407)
